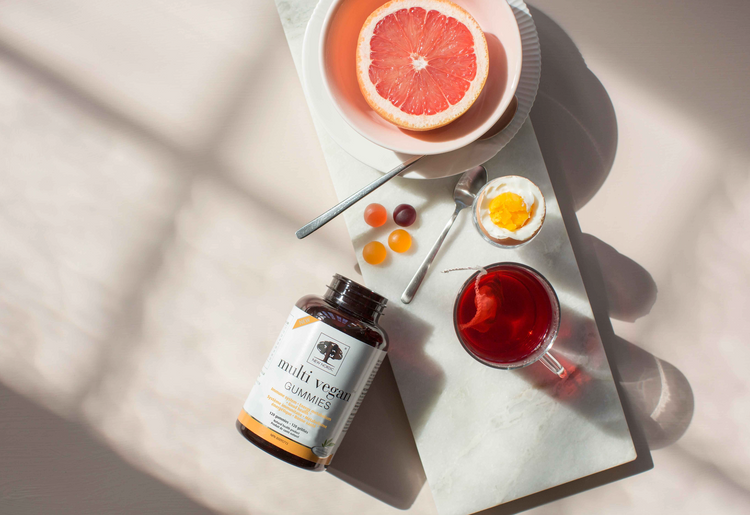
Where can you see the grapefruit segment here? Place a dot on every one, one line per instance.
(421, 63)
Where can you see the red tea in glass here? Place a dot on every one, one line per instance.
(508, 317)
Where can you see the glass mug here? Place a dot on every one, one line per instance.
(508, 317)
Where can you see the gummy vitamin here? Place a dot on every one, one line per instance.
(404, 215)
(399, 241)
(375, 215)
(374, 253)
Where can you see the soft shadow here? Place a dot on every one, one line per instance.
(504, 120)
(657, 401)
(640, 464)
(658, 397)
(573, 116)
(583, 390)
(631, 291)
(571, 392)
(576, 129)
(420, 375)
(614, 281)
(378, 455)
(659, 394)
(52, 465)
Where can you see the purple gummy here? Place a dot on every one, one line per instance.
(404, 215)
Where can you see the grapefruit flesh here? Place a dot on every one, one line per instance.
(421, 63)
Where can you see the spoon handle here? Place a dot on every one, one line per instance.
(416, 281)
(345, 204)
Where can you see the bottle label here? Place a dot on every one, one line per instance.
(310, 388)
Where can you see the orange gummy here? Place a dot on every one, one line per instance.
(508, 211)
(374, 252)
(375, 215)
(399, 241)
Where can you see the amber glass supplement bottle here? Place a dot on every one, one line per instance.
(316, 376)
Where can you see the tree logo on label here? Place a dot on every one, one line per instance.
(330, 350)
(328, 353)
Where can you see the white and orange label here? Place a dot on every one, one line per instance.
(310, 387)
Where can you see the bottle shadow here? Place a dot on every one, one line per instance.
(379, 455)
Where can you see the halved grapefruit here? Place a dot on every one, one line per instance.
(421, 63)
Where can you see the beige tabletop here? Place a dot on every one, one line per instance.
(156, 158)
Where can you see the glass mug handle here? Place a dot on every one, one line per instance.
(553, 365)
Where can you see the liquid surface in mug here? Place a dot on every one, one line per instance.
(505, 316)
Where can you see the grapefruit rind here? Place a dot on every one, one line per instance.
(383, 106)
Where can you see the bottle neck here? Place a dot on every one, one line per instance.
(351, 306)
(355, 299)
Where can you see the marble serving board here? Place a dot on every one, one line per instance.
(485, 436)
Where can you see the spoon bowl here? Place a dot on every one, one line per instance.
(468, 186)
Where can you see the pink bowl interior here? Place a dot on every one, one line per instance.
(338, 63)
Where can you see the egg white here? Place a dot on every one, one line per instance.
(530, 194)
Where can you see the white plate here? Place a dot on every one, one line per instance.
(430, 167)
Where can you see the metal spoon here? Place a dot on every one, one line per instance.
(348, 202)
(464, 194)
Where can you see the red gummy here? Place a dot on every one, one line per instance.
(375, 215)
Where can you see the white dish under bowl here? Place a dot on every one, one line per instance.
(337, 57)
(432, 166)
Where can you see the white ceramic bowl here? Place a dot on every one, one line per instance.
(337, 55)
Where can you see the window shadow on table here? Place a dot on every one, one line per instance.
(52, 465)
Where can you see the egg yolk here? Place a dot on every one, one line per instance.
(508, 211)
